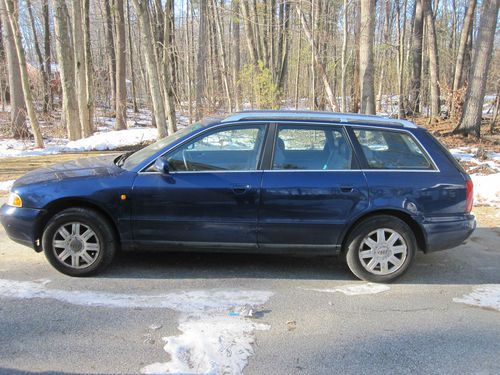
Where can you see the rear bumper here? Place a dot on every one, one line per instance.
(447, 232)
(21, 224)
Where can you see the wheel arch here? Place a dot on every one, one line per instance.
(402, 215)
(59, 205)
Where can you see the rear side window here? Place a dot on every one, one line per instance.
(308, 147)
(386, 149)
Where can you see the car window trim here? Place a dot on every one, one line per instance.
(364, 163)
(337, 127)
(143, 170)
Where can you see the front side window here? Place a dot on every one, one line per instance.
(227, 149)
(386, 149)
(308, 147)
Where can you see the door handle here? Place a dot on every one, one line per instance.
(346, 189)
(241, 189)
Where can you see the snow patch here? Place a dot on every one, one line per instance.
(213, 344)
(6, 185)
(101, 141)
(355, 289)
(188, 302)
(487, 296)
(486, 189)
(212, 340)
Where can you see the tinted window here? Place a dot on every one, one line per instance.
(385, 149)
(311, 148)
(228, 149)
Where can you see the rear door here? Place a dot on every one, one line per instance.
(312, 187)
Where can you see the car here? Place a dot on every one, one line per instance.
(369, 189)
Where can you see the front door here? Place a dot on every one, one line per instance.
(211, 195)
(312, 189)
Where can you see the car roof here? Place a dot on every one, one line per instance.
(337, 117)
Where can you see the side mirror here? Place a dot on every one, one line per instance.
(161, 165)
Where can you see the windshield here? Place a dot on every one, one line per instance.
(138, 157)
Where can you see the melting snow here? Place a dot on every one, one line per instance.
(213, 344)
(6, 185)
(212, 341)
(487, 189)
(487, 296)
(355, 289)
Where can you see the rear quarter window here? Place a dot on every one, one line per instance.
(388, 149)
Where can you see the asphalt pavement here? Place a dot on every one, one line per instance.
(255, 314)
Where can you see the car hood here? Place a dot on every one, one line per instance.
(87, 167)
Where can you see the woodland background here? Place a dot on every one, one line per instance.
(66, 65)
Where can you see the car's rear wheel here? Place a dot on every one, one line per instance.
(79, 242)
(380, 248)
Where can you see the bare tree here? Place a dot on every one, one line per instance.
(120, 50)
(473, 107)
(142, 10)
(80, 71)
(462, 49)
(236, 51)
(110, 53)
(433, 58)
(367, 19)
(200, 61)
(131, 59)
(17, 105)
(28, 98)
(317, 59)
(65, 58)
(88, 64)
(48, 102)
(168, 88)
(416, 55)
(41, 65)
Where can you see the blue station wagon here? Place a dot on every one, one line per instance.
(373, 190)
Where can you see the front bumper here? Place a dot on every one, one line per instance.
(21, 224)
(447, 232)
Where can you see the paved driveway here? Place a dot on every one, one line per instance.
(201, 313)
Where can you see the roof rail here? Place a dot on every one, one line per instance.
(348, 118)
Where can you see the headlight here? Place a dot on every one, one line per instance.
(14, 200)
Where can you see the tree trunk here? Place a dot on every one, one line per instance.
(121, 58)
(224, 65)
(367, 20)
(89, 84)
(416, 54)
(200, 61)
(35, 128)
(65, 59)
(344, 59)
(401, 38)
(81, 75)
(110, 54)
(131, 58)
(462, 49)
(141, 8)
(46, 47)
(17, 105)
(249, 35)
(474, 97)
(433, 58)
(167, 71)
(317, 59)
(235, 4)
(45, 78)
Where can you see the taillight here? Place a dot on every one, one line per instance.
(469, 194)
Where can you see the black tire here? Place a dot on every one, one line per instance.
(354, 244)
(104, 236)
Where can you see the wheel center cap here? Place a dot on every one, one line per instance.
(76, 245)
(383, 251)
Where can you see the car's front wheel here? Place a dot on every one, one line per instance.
(380, 248)
(79, 242)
